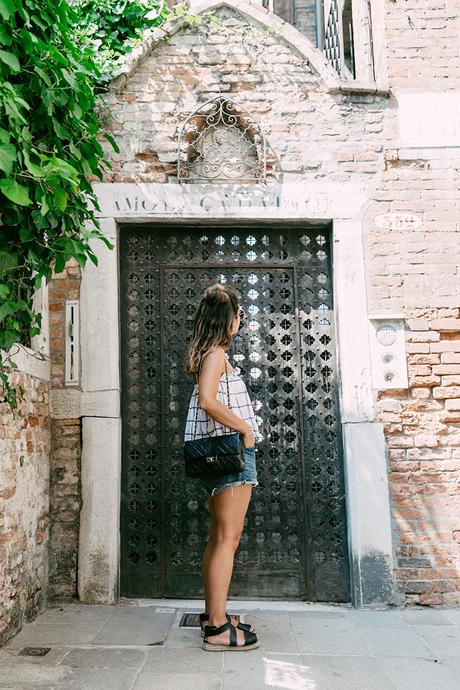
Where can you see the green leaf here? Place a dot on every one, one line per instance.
(4, 136)
(4, 290)
(69, 77)
(59, 264)
(7, 338)
(44, 207)
(7, 308)
(42, 74)
(26, 234)
(61, 198)
(8, 260)
(16, 192)
(112, 141)
(10, 59)
(7, 8)
(5, 38)
(36, 170)
(7, 158)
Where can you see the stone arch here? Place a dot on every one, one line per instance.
(220, 142)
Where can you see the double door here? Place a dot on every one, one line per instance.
(294, 541)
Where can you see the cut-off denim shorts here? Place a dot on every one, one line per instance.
(247, 476)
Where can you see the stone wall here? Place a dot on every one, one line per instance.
(24, 506)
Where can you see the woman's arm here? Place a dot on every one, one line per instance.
(211, 371)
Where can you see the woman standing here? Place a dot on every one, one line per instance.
(216, 322)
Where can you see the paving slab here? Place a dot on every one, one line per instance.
(376, 619)
(97, 679)
(135, 626)
(327, 636)
(77, 613)
(54, 635)
(325, 672)
(452, 661)
(101, 658)
(452, 615)
(180, 681)
(51, 658)
(275, 632)
(419, 674)
(443, 640)
(395, 642)
(180, 660)
(426, 617)
(22, 674)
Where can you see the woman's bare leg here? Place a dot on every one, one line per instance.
(207, 552)
(229, 510)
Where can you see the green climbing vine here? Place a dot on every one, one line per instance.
(50, 150)
(55, 59)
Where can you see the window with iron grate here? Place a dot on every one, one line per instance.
(342, 29)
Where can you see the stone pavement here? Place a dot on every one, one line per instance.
(139, 645)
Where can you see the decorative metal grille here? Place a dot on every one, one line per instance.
(220, 142)
(333, 38)
(294, 542)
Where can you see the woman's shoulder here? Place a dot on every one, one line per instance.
(217, 352)
(215, 357)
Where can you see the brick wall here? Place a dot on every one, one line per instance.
(415, 272)
(313, 134)
(24, 505)
(422, 43)
(422, 428)
(65, 485)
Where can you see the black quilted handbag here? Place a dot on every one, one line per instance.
(212, 456)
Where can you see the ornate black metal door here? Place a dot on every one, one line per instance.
(294, 543)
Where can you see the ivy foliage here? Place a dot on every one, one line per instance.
(55, 55)
(49, 153)
(112, 28)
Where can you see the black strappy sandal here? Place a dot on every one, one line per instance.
(242, 626)
(251, 640)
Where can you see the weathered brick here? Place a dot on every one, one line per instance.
(441, 392)
(445, 324)
(450, 357)
(417, 347)
(446, 346)
(453, 380)
(422, 337)
(446, 369)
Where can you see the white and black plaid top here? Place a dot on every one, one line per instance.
(240, 404)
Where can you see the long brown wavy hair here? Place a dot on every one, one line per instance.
(212, 324)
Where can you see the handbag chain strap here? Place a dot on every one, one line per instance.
(196, 408)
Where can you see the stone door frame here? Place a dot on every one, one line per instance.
(365, 463)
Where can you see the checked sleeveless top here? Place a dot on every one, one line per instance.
(240, 404)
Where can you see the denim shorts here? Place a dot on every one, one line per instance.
(247, 476)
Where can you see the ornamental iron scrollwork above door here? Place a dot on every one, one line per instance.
(294, 543)
(220, 142)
